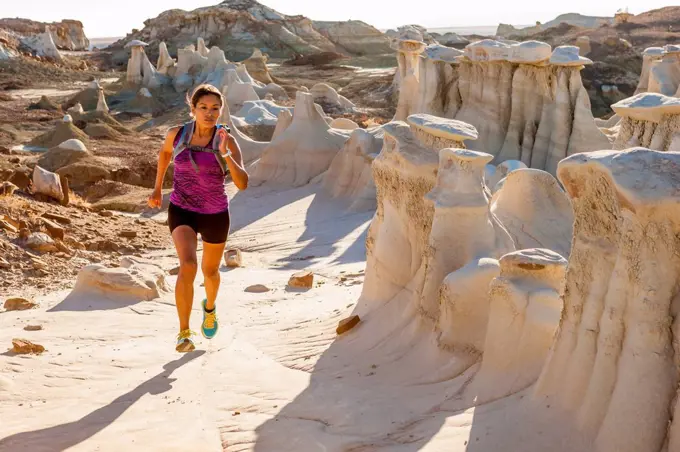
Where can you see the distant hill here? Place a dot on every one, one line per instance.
(238, 26)
(574, 19)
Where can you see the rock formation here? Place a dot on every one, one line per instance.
(165, 62)
(135, 280)
(350, 174)
(664, 73)
(527, 102)
(64, 130)
(251, 150)
(256, 65)
(575, 19)
(241, 25)
(326, 94)
(303, 151)
(43, 46)
(649, 56)
(613, 361)
(66, 35)
(140, 71)
(535, 211)
(354, 37)
(651, 120)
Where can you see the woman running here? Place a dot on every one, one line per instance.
(203, 151)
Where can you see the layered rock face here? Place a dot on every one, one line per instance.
(527, 102)
(67, 34)
(614, 360)
(651, 120)
(241, 25)
(584, 327)
(354, 37)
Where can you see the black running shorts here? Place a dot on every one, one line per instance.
(213, 227)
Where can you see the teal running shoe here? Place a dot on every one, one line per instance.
(210, 324)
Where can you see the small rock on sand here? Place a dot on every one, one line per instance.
(347, 324)
(25, 347)
(302, 280)
(40, 241)
(33, 327)
(257, 288)
(130, 234)
(233, 258)
(19, 304)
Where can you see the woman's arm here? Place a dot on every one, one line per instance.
(234, 160)
(164, 158)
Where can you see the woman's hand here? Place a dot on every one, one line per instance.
(230, 149)
(155, 199)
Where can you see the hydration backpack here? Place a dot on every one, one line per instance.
(183, 139)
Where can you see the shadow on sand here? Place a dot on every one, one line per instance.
(64, 436)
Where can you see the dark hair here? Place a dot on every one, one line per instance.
(204, 90)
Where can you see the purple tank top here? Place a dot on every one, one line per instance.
(202, 192)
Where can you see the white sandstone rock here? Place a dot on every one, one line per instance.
(47, 183)
(568, 56)
(344, 123)
(304, 150)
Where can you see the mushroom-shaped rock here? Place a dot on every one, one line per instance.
(524, 312)
(529, 52)
(535, 211)
(404, 172)
(568, 56)
(487, 50)
(304, 150)
(437, 52)
(462, 228)
(613, 360)
(649, 57)
(647, 107)
(439, 133)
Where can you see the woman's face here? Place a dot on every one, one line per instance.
(207, 110)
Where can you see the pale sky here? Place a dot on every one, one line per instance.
(118, 17)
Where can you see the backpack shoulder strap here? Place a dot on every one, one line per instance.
(185, 133)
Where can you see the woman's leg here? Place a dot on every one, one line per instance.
(210, 265)
(185, 243)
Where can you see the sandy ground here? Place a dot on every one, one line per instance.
(275, 379)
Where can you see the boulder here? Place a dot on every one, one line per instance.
(19, 304)
(134, 283)
(302, 280)
(47, 183)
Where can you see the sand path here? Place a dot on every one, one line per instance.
(275, 379)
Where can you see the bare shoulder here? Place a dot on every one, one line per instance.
(170, 139)
(172, 133)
